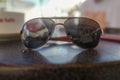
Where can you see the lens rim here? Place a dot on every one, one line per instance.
(50, 31)
(98, 28)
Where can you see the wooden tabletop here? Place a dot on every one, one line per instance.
(60, 61)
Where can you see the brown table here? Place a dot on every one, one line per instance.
(60, 62)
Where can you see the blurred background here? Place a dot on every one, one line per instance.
(40, 8)
(105, 12)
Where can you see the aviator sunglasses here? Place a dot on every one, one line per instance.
(83, 32)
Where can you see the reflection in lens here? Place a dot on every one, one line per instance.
(84, 32)
(36, 32)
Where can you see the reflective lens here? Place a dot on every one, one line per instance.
(84, 32)
(36, 32)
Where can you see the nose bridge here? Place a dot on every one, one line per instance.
(59, 24)
(60, 21)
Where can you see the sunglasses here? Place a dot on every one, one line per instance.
(83, 32)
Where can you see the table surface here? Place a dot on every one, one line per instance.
(60, 58)
(59, 53)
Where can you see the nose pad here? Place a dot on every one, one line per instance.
(49, 33)
(68, 33)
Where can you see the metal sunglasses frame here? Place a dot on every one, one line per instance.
(63, 38)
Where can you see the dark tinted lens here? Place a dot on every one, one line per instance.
(36, 32)
(84, 32)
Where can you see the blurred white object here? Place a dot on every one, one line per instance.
(10, 25)
(11, 22)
